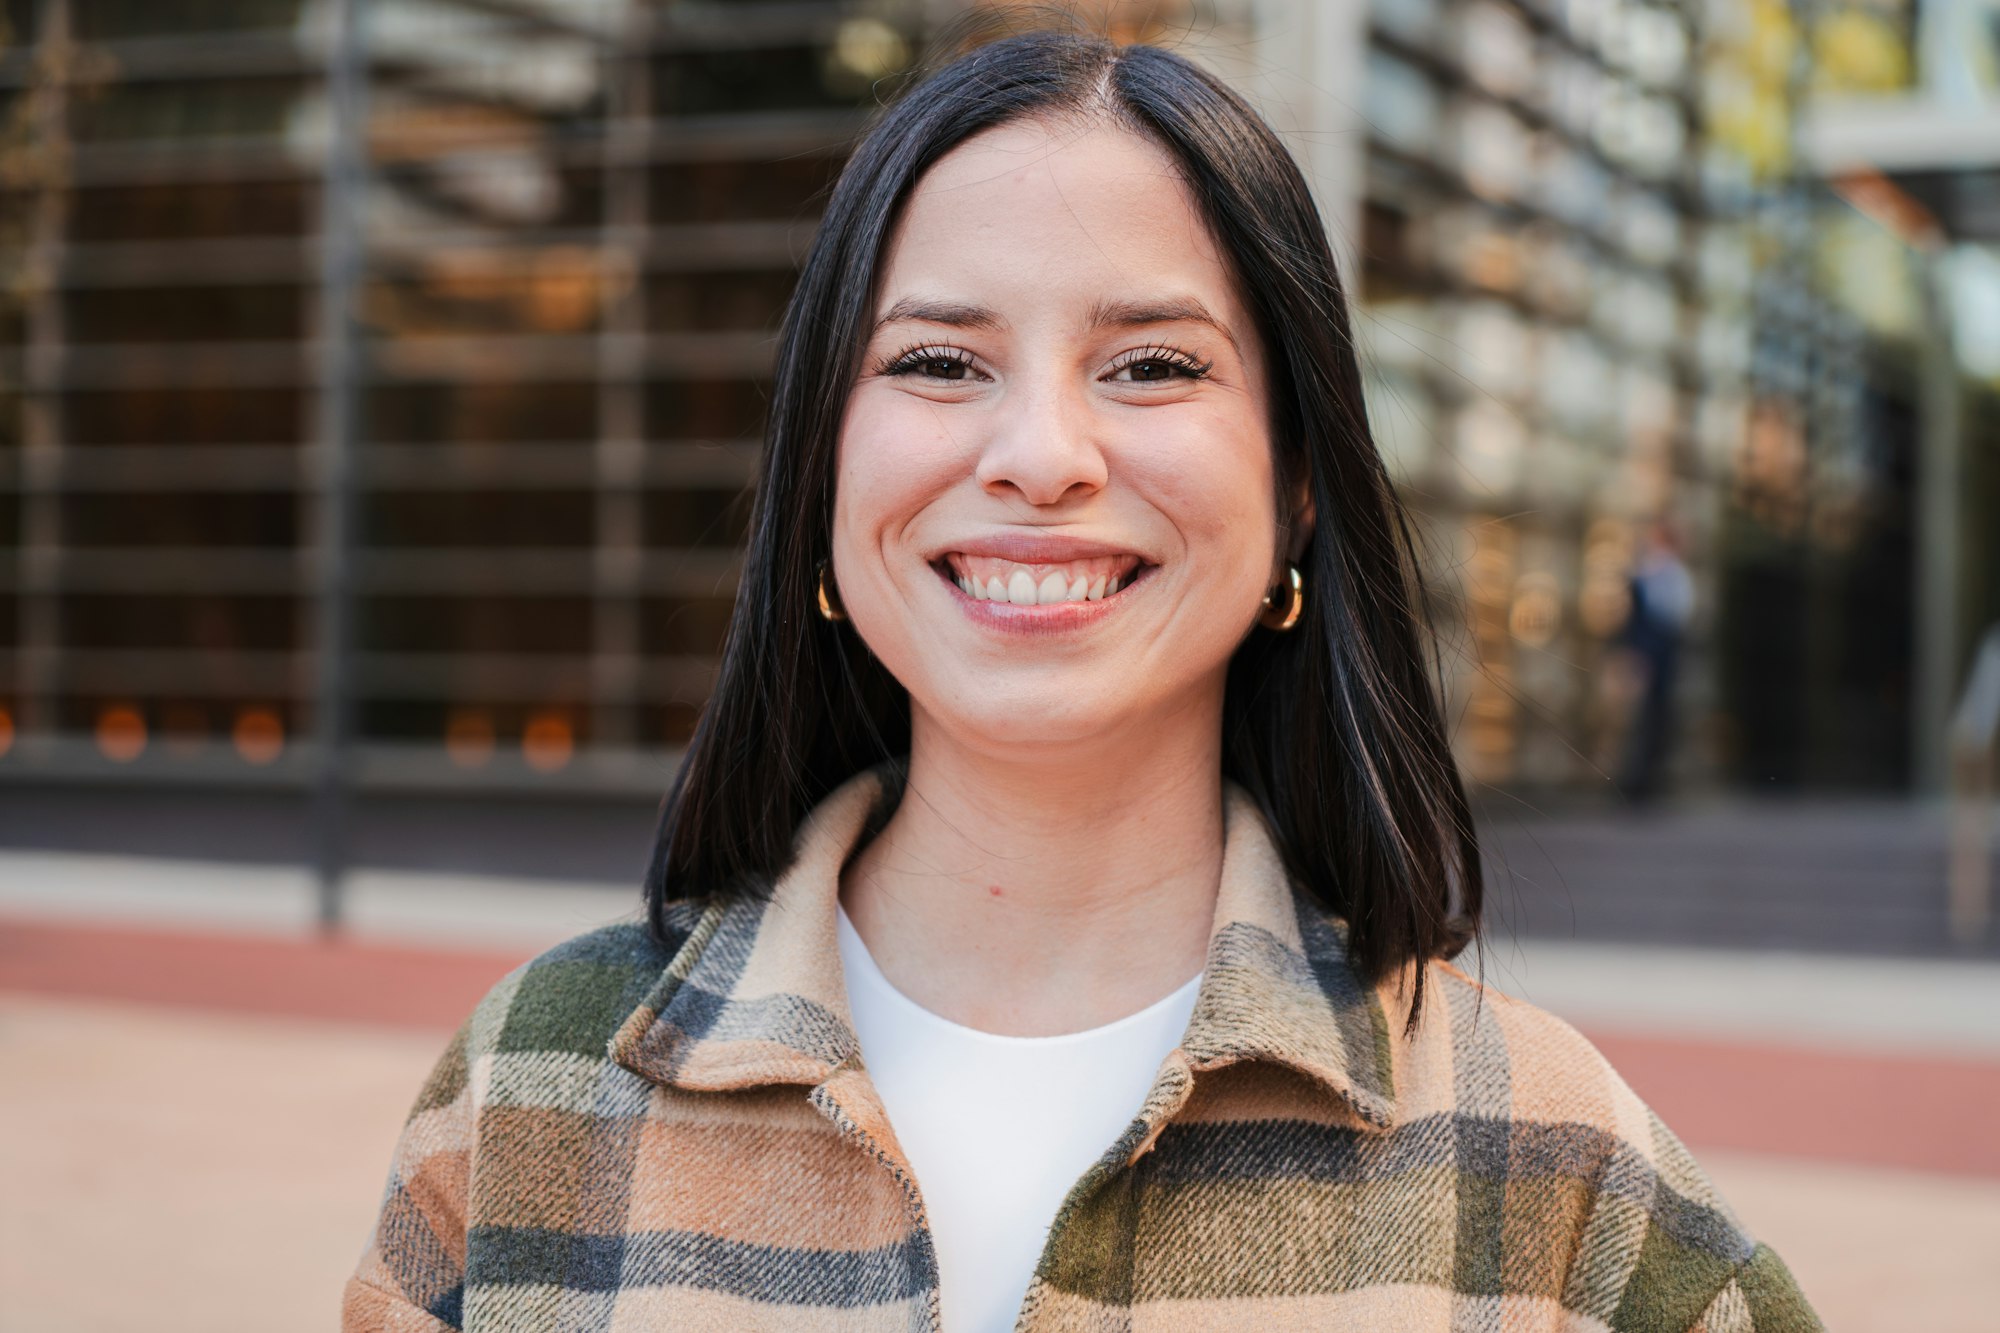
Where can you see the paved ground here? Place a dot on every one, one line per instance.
(1859, 874)
(200, 1087)
(1853, 875)
(185, 1172)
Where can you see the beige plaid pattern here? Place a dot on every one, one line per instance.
(624, 1136)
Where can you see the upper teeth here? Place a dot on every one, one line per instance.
(997, 580)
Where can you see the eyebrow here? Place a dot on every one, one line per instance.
(957, 314)
(1103, 315)
(1169, 310)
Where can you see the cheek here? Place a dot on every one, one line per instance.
(893, 462)
(893, 457)
(1214, 480)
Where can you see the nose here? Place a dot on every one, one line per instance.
(1042, 447)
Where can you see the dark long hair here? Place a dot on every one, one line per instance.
(1333, 728)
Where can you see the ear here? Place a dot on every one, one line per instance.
(1299, 532)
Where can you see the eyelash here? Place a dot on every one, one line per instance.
(1190, 366)
(910, 360)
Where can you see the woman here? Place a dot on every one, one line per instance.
(1047, 927)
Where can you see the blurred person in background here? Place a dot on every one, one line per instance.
(1662, 604)
(1048, 926)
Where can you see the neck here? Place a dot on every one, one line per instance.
(1033, 893)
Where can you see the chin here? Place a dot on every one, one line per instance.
(1037, 719)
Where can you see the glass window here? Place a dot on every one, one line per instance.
(210, 109)
(156, 518)
(501, 723)
(754, 79)
(695, 7)
(119, 20)
(513, 518)
(17, 207)
(485, 384)
(1496, 49)
(193, 210)
(478, 85)
(510, 188)
(494, 624)
(561, 289)
(1392, 258)
(727, 300)
(209, 621)
(19, 18)
(668, 723)
(213, 312)
(1401, 102)
(1496, 150)
(195, 415)
(683, 626)
(469, 412)
(705, 409)
(696, 517)
(783, 189)
(180, 725)
(1412, 20)
(1402, 418)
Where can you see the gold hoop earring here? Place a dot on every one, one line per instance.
(1295, 604)
(829, 601)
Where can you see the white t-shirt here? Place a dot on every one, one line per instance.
(997, 1129)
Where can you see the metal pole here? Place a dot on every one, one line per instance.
(619, 462)
(39, 625)
(1975, 728)
(340, 267)
(1939, 464)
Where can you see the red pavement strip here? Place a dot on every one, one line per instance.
(1923, 1113)
(1913, 1112)
(274, 975)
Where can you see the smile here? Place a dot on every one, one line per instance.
(994, 579)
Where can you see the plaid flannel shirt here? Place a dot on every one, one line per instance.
(626, 1137)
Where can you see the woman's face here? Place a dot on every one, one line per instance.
(1055, 512)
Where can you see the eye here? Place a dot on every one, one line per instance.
(931, 362)
(1155, 365)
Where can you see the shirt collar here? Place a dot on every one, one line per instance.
(756, 996)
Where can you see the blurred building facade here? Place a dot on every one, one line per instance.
(380, 380)
(1606, 288)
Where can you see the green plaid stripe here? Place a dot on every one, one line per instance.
(628, 1136)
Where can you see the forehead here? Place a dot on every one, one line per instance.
(1037, 213)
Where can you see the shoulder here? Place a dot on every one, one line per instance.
(525, 1069)
(1642, 1225)
(1551, 1073)
(573, 997)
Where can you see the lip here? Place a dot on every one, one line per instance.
(1035, 548)
(1042, 619)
